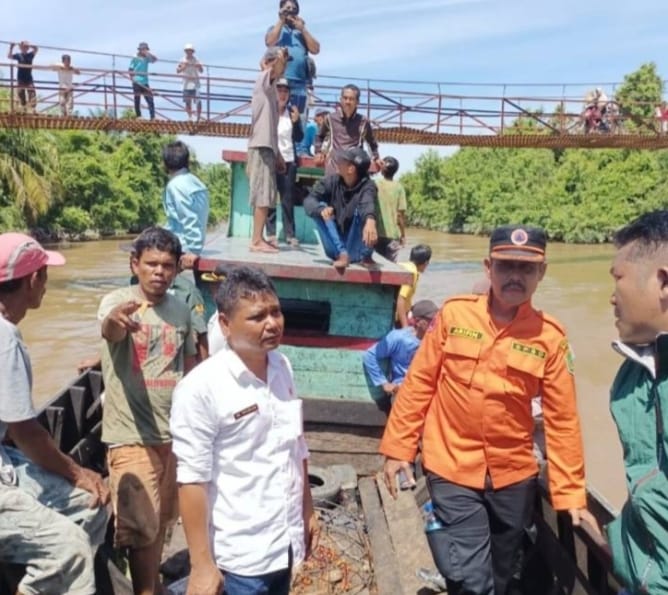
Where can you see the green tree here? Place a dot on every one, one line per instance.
(28, 175)
(638, 97)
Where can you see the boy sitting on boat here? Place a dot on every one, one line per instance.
(343, 207)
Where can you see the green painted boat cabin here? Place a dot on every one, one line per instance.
(331, 317)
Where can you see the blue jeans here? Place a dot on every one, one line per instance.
(273, 583)
(47, 525)
(334, 243)
(298, 97)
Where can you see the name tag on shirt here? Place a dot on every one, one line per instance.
(247, 411)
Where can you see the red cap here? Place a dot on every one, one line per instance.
(21, 255)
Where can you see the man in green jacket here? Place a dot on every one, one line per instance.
(638, 537)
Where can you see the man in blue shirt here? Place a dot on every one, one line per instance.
(304, 147)
(186, 202)
(139, 74)
(398, 348)
(290, 32)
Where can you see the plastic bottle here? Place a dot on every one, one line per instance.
(431, 522)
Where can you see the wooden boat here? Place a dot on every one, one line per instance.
(562, 560)
(330, 319)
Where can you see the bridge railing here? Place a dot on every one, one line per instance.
(225, 92)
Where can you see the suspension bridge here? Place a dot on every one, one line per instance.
(402, 112)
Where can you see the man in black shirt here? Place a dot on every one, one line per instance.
(24, 81)
(343, 207)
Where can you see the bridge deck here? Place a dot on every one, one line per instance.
(398, 135)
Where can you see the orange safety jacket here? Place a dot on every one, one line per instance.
(468, 396)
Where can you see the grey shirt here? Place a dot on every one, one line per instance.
(264, 114)
(15, 389)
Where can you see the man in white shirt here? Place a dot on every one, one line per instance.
(237, 435)
(190, 67)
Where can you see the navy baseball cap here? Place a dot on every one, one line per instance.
(357, 156)
(518, 242)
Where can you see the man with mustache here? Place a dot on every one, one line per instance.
(468, 396)
(638, 537)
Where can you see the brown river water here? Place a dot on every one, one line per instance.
(576, 290)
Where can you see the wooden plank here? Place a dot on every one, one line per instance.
(408, 538)
(384, 560)
(335, 445)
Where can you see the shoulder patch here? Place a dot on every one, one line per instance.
(569, 358)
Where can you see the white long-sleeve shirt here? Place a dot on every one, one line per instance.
(244, 438)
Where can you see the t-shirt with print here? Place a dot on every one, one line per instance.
(141, 371)
(15, 389)
(391, 200)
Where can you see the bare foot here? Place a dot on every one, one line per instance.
(264, 247)
(342, 261)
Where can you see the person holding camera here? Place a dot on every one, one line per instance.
(290, 32)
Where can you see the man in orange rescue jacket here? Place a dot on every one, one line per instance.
(468, 395)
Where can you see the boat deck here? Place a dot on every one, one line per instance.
(307, 262)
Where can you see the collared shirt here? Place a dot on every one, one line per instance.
(15, 389)
(296, 69)
(215, 335)
(468, 394)
(339, 132)
(398, 347)
(264, 114)
(186, 204)
(244, 438)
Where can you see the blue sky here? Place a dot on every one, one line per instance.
(451, 41)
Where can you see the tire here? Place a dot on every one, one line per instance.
(325, 486)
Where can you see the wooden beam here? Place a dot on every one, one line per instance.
(385, 565)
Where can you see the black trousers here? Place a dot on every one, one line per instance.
(286, 190)
(144, 90)
(477, 549)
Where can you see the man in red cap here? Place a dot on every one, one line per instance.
(54, 541)
(468, 396)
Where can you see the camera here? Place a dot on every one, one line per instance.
(289, 11)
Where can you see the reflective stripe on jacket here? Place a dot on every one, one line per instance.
(469, 391)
